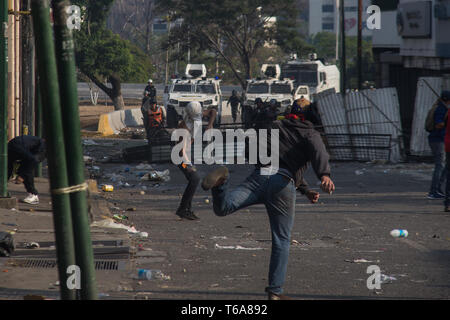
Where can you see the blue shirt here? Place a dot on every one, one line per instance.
(438, 135)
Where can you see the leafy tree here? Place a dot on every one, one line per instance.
(102, 55)
(230, 28)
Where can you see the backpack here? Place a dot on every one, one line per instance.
(429, 121)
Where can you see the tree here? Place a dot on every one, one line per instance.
(230, 28)
(102, 55)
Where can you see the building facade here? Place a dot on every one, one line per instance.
(324, 17)
(413, 42)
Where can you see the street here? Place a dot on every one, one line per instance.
(333, 242)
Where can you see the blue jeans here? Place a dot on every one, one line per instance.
(277, 193)
(440, 172)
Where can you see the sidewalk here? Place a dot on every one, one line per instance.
(33, 271)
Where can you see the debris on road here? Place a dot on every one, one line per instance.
(237, 247)
(384, 279)
(360, 261)
(32, 245)
(154, 175)
(399, 233)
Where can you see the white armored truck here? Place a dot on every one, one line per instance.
(194, 86)
(270, 87)
(313, 74)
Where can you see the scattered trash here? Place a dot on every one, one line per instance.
(238, 247)
(6, 244)
(103, 295)
(206, 200)
(120, 217)
(399, 233)
(359, 261)
(109, 223)
(144, 166)
(142, 193)
(131, 209)
(114, 177)
(359, 172)
(9, 224)
(384, 279)
(216, 237)
(32, 245)
(87, 159)
(108, 188)
(89, 142)
(142, 234)
(435, 236)
(154, 175)
(144, 274)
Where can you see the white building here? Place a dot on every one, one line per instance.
(324, 16)
(413, 42)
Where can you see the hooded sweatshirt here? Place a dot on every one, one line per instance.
(300, 144)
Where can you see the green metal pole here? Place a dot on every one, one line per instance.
(38, 121)
(65, 57)
(48, 76)
(4, 99)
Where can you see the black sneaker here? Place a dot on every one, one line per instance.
(186, 214)
(435, 196)
(215, 178)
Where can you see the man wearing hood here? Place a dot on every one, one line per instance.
(299, 144)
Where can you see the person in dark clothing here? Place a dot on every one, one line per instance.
(445, 99)
(299, 144)
(29, 151)
(436, 142)
(234, 100)
(192, 121)
(305, 111)
(149, 92)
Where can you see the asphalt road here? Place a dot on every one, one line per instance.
(334, 241)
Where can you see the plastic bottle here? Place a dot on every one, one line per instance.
(144, 274)
(399, 233)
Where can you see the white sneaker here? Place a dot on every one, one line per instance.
(31, 199)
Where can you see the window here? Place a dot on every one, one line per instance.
(327, 8)
(258, 88)
(386, 5)
(205, 88)
(281, 88)
(327, 26)
(323, 77)
(351, 9)
(182, 88)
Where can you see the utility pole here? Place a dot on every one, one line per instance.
(343, 56)
(4, 99)
(359, 62)
(27, 101)
(65, 56)
(57, 164)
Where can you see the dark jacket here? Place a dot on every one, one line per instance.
(150, 91)
(27, 148)
(437, 135)
(300, 144)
